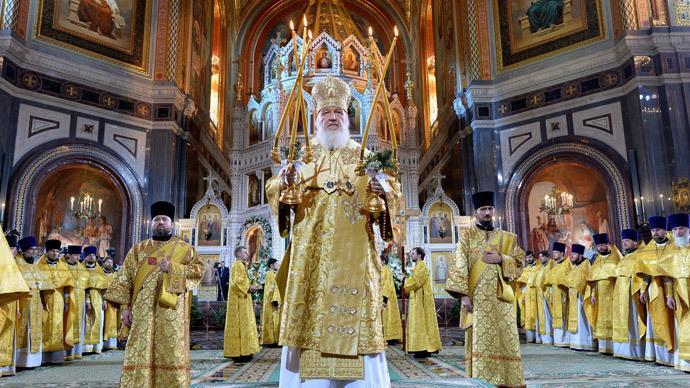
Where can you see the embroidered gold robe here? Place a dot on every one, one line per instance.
(422, 325)
(577, 283)
(95, 287)
(602, 279)
(75, 330)
(648, 268)
(31, 309)
(331, 271)
(56, 319)
(392, 324)
(491, 342)
(12, 288)
(112, 316)
(544, 298)
(270, 316)
(627, 290)
(241, 337)
(676, 266)
(526, 295)
(557, 281)
(157, 352)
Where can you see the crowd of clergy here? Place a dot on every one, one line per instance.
(631, 302)
(52, 308)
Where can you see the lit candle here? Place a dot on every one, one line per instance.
(500, 223)
(100, 202)
(643, 212)
(637, 208)
(661, 201)
(71, 204)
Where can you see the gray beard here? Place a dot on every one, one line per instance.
(333, 140)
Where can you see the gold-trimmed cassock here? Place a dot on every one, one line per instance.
(601, 283)
(75, 328)
(492, 346)
(629, 315)
(422, 325)
(157, 352)
(270, 315)
(13, 287)
(392, 323)
(240, 337)
(526, 295)
(331, 272)
(55, 337)
(93, 327)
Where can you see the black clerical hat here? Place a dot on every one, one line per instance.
(90, 250)
(601, 238)
(677, 220)
(657, 222)
(53, 244)
(74, 250)
(163, 208)
(630, 234)
(12, 240)
(558, 246)
(483, 198)
(577, 248)
(28, 243)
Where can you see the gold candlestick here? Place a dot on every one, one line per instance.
(386, 104)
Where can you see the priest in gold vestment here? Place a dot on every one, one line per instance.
(422, 326)
(331, 319)
(558, 305)
(12, 288)
(80, 277)
(270, 314)
(241, 339)
(628, 325)
(95, 305)
(581, 334)
(60, 306)
(486, 259)
(392, 324)
(31, 310)
(659, 334)
(526, 295)
(674, 269)
(152, 287)
(544, 320)
(599, 291)
(111, 321)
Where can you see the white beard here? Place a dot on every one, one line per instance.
(682, 241)
(332, 140)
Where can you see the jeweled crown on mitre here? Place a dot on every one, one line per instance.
(331, 92)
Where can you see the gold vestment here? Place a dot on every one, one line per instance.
(331, 271)
(241, 337)
(157, 352)
(31, 309)
(56, 319)
(491, 342)
(557, 280)
(112, 316)
(80, 277)
(543, 296)
(270, 316)
(95, 287)
(627, 286)
(577, 283)
(526, 295)
(602, 279)
(392, 325)
(676, 265)
(12, 288)
(422, 325)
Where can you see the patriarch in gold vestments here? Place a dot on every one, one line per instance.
(581, 332)
(422, 326)
(80, 277)
(152, 288)
(60, 306)
(674, 269)
(111, 317)
(31, 310)
(330, 276)
(486, 259)
(392, 324)
(659, 334)
(526, 295)
(13, 287)
(628, 319)
(95, 305)
(270, 313)
(241, 338)
(599, 291)
(557, 282)
(544, 332)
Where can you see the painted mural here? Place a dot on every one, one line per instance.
(201, 52)
(65, 213)
(440, 224)
(112, 29)
(253, 191)
(529, 29)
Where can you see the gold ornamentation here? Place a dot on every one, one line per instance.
(331, 92)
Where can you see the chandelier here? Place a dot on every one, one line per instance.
(557, 202)
(86, 206)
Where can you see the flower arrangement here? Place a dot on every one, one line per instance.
(299, 151)
(380, 161)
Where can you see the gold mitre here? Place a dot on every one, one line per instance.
(331, 92)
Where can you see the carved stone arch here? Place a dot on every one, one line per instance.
(617, 182)
(33, 167)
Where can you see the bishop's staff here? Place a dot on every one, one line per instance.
(382, 162)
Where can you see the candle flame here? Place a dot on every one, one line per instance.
(310, 35)
(304, 20)
(371, 31)
(395, 30)
(292, 25)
